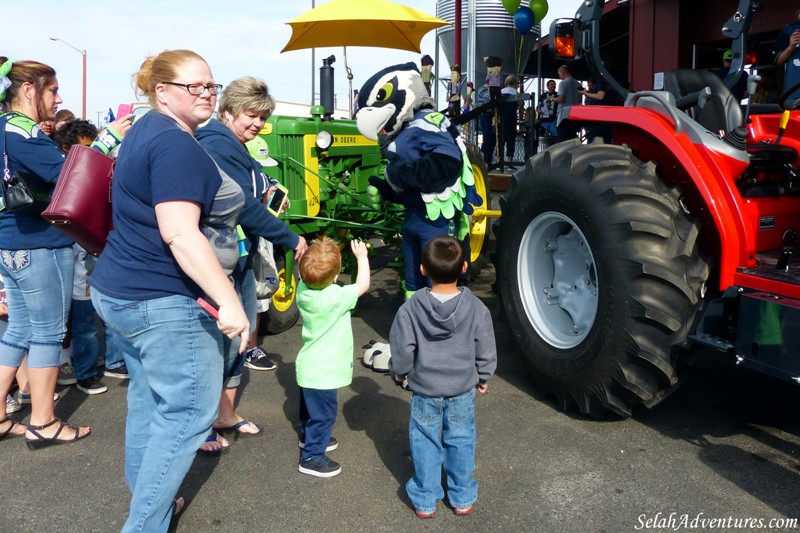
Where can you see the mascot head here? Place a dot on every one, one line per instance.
(389, 99)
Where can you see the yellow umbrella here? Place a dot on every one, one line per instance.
(361, 23)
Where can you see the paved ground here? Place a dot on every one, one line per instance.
(727, 444)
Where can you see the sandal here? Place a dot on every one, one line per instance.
(178, 505)
(43, 442)
(7, 433)
(237, 428)
(212, 437)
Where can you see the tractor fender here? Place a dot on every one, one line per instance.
(704, 171)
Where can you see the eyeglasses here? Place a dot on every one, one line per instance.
(196, 89)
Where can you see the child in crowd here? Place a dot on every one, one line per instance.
(85, 346)
(442, 340)
(325, 362)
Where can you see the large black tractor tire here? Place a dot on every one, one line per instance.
(479, 225)
(283, 312)
(600, 276)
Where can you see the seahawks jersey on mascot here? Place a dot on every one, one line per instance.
(429, 172)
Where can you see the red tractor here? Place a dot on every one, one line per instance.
(612, 259)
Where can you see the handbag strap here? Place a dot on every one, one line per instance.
(6, 172)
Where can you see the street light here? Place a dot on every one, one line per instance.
(83, 53)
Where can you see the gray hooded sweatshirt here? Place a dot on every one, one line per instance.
(445, 348)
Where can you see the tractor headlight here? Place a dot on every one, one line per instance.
(324, 140)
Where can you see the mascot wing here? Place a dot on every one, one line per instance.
(460, 196)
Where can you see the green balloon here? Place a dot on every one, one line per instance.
(511, 6)
(539, 8)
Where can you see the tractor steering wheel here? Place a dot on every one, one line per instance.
(785, 96)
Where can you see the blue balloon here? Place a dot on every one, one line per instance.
(524, 19)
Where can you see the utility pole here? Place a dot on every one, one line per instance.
(83, 53)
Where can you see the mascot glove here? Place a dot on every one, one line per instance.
(383, 187)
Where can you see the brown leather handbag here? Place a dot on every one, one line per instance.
(81, 204)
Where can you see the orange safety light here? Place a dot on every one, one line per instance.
(563, 34)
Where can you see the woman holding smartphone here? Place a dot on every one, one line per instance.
(174, 241)
(244, 107)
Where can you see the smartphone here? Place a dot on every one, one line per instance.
(124, 109)
(210, 309)
(277, 199)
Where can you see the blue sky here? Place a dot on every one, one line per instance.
(236, 37)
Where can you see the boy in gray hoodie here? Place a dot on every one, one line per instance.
(442, 340)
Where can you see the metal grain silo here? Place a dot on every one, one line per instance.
(494, 35)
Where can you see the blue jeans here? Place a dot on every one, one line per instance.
(39, 292)
(318, 410)
(550, 127)
(441, 431)
(245, 287)
(172, 349)
(113, 357)
(85, 346)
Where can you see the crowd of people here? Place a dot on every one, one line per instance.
(188, 214)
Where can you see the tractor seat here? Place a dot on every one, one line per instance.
(778, 154)
(721, 112)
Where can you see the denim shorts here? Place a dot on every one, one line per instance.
(39, 291)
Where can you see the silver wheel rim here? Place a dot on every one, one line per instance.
(557, 280)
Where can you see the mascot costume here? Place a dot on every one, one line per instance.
(429, 172)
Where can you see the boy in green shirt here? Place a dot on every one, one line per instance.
(325, 362)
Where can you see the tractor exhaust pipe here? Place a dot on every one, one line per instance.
(326, 86)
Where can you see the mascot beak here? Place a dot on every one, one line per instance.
(371, 120)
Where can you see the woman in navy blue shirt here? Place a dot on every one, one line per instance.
(174, 240)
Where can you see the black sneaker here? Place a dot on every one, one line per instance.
(320, 466)
(91, 385)
(332, 444)
(257, 359)
(120, 372)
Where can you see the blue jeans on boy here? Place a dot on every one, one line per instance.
(441, 432)
(38, 286)
(318, 410)
(85, 346)
(173, 351)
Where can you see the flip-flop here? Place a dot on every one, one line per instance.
(212, 437)
(241, 434)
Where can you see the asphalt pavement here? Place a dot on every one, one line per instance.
(725, 446)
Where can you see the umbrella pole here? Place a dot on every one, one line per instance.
(350, 84)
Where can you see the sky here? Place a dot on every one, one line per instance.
(236, 38)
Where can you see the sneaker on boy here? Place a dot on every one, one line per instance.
(66, 374)
(121, 372)
(257, 359)
(91, 385)
(320, 466)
